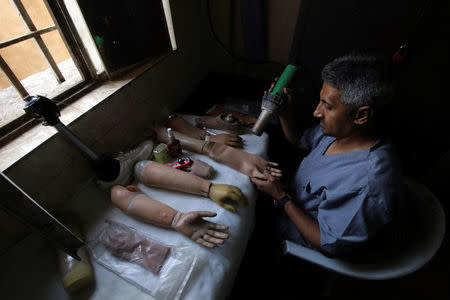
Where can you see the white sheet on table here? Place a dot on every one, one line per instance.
(216, 269)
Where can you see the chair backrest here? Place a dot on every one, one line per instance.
(413, 242)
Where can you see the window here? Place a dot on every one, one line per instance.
(36, 57)
(58, 48)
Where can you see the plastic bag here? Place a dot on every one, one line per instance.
(130, 246)
(160, 270)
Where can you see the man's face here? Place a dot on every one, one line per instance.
(334, 119)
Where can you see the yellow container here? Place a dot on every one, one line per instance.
(161, 153)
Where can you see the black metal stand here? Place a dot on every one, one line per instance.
(42, 108)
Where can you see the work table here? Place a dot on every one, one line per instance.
(30, 270)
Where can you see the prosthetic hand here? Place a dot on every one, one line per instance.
(223, 194)
(157, 175)
(133, 202)
(179, 124)
(249, 164)
(205, 233)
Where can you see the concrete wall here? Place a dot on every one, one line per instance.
(280, 18)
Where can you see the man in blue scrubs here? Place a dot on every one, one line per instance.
(348, 186)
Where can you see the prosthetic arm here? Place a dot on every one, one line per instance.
(181, 125)
(154, 174)
(133, 202)
(249, 164)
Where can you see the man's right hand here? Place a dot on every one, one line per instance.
(287, 91)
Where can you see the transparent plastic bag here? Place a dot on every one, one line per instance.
(160, 270)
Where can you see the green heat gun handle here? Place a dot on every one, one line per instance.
(284, 80)
(273, 100)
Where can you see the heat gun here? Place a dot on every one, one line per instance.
(274, 100)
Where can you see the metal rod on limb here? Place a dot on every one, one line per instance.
(40, 42)
(81, 146)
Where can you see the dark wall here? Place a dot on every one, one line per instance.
(327, 29)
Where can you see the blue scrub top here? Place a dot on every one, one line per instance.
(351, 195)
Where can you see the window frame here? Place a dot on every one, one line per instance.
(67, 30)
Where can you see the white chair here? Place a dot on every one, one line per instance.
(414, 242)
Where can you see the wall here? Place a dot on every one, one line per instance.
(280, 18)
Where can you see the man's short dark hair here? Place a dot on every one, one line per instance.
(364, 79)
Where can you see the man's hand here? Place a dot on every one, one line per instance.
(223, 193)
(262, 167)
(269, 185)
(229, 139)
(205, 233)
(288, 92)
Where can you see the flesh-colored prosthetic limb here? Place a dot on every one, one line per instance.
(191, 224)
(249, 164)
(157, 175)
(200, 168)
(154, 174)
(229, 139)
(132, 201)
(179, 124)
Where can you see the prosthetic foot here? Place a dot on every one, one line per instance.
(127, 162)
